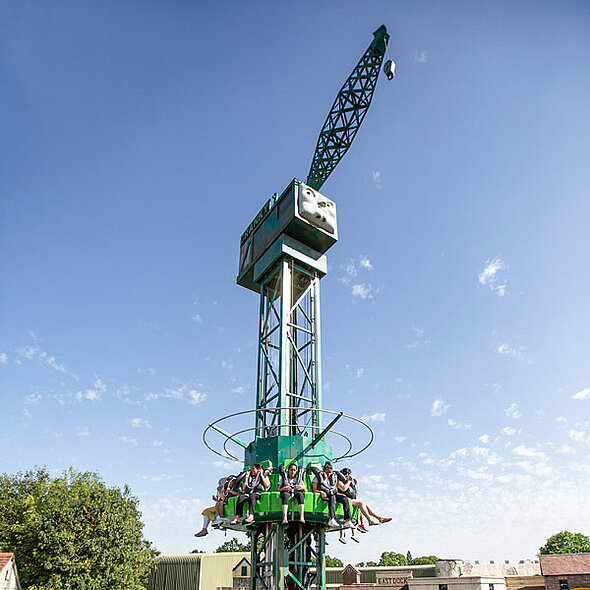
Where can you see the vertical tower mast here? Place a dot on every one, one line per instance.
(282, 258)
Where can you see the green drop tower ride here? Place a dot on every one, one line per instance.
(282, 259)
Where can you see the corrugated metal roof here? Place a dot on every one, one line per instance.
(176, 572)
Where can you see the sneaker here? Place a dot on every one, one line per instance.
(342, 540)
(348, 524)
(332, 522)
(361, 529)
(218, 520)
(355, 539)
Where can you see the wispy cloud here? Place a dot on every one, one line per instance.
(490, 276)
(353, 274)
(3, 358)
(512, 411)
(484, 438)
(506, 349)
(376, 175)
(421, 56)
(508, 431)
(420, 341)
(439, 407)
(582, 394)
(454, 425)
(376, 417)
(139, 423)
(128, 441)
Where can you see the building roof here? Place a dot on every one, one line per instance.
(4, 559)
(566, 563)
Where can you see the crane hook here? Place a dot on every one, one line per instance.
(389, 69)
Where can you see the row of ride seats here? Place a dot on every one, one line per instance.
(269, 505)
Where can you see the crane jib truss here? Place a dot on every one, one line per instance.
(348, 111)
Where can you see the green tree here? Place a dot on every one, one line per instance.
(392, 558)
(333, 561)
(424, 560)
(566, 542)
(232, 546)
(408, 558)
(73, 532)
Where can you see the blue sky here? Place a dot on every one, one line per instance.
(138, 141)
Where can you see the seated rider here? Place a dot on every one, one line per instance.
(216, 512)
(325, 483)
(251, 488)
(291, 486)
(350, 488)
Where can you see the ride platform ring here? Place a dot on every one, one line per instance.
(231, 437)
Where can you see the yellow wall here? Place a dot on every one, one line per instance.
(216, 569)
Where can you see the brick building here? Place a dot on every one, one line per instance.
(569, 571)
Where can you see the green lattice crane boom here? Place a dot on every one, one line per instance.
(348, 111)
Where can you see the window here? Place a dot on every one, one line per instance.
(563, 585)
(244, 571)
(491, 586)
(443, 587)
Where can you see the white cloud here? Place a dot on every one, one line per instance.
(3, 358)
(239, 389)
(508, 431)
(139, 423)
(364, 290)
(400, 439)
(484, 438)
(578, 436)
(524, 451)
(89, 394)
(421, 57)
(365, 263)
(196, 397)
(438, 407)
(489, 276)
(541, 469)
(128, 441)
(565, 450)
(376, 175)
(376, 417)
(420, 341)
(511, 351)
(512, 411)
(561, 419)
(454, 425)
(83, 431)
(582, 394)
(352, 269)
(33, 398)
(197, 318)
(157, 443)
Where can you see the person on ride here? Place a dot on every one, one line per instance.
(254, 483)
(350, 488)
(216, 512)
(325, 483)
(291, 486)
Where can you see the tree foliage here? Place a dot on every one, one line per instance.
(566, 542)
(391, 558)
(332, 561)
(73, 532)
(232, 546)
